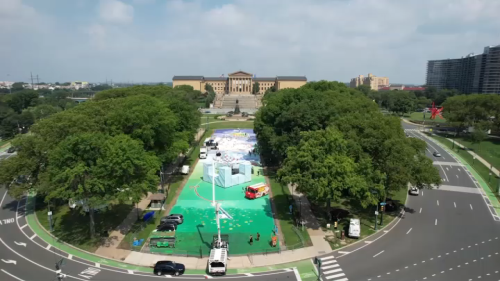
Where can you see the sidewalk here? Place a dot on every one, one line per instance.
(485, 163)
(311, 223)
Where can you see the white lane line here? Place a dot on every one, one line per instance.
(297, 274)
(70, 257)
(33, 237)
(15, 277)
(97, 265)
(422, 193)
(457, 176)
(335, 276)
(327, 258)
(455, 204)
(342, 279)
(420, 210)
(447, 169)
(22, 227)
(332, 271)
(368, 242)
(130, 271)
(328, 262)
(378, 254)
(329, 266)
(1, 202)
(471, 206)
(444, 173)
(436, 222)
(459, 170)
(341, 252)
(48, 247)
(409, 230)
(437, 201)
(248, 274)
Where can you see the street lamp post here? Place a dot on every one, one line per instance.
(473, 160)
(489, 178)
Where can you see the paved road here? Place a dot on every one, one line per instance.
(25, 257)
(445, 234)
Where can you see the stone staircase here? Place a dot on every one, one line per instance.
(244, 101)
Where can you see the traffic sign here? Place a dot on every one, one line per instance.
(382, 203)
(376, 213)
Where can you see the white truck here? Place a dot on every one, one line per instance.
(217, 263)
(203, 152)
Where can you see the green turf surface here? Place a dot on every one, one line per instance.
(488, 149)
(419, 116)
(249, 216)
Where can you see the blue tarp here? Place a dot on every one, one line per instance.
(148, 216)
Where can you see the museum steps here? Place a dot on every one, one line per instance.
(244, 101)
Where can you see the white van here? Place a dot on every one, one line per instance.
(185, 170)
(217, 263)
(354, 228)
(203, 153)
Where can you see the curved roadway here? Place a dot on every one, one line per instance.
(444, 234)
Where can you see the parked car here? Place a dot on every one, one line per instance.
(167, 227)
(414, 190)
(169, 268)
(176, 218)
(11, 149)
(436, 154)
(354, 228)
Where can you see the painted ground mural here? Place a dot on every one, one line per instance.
(241, 217)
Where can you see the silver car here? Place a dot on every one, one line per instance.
(413, 190)
(174, 218)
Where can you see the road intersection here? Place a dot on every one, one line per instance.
(448, 233)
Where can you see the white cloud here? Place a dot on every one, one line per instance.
(114, 11)
(142, 2)
(323, 39)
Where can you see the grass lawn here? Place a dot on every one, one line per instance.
(481, 169)
(419, 116)
(4, 142)
(281, 199)
(488, 149)
(230, 125)
(366, 216)
(71, 226)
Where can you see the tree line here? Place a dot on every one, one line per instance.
(333, 142)
(108, 148)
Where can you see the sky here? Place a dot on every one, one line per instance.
(153, 40)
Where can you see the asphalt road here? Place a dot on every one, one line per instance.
(25, 257)
(444, 234)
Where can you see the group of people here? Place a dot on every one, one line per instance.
(274, 239)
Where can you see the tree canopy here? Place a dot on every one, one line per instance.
(478, 110)
(332, 141)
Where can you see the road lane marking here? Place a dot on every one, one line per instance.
(436, 222)
(342, 279)
(70, 257)
(422, 193)
(332, 271)
(457, 176)
(409, 230)
(335, 276)
(22, 227)
(1, 202)
(15, 277)
(20, 244)
(329, 266)
(437, 202)
(9, 261)
(444, 173)
(459, 170)
(368, 242)
(297, 274)
(378, 254)
(345, 253)
(420, 210)
(455, 204)
(48, 247)
(33, 237)
(248, 274)
(471, 206)
(328, 262)
(447, 169)
(327, 258)
(130, 271)
(97, 265)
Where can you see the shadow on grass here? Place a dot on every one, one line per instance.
(73, 226)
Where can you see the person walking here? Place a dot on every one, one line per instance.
(251, 240)
(258, 236)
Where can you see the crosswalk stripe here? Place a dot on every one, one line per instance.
(327, 258)
(330, 266)
(328, 262)
(342, 279)
(335, 276)
(332, 271)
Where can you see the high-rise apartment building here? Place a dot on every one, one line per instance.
(469, 74)
(371, 80)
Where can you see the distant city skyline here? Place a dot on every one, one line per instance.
(148, 40)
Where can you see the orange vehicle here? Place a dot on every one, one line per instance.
(256, 190)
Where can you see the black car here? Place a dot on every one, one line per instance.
(169, 268)
(11, 149)
(167, 227)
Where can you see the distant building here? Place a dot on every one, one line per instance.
(371, 80)
(79, 85)
(240, 82)
(469, 74)
(401, 88)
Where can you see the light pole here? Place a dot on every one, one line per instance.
(489, 178)
(473, 160)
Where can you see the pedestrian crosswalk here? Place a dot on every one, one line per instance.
(331, 269)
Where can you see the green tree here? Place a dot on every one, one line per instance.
(22, 99)
(43, 110)
(256, 88)
(321, 167)
(101, 87)
(18, 86)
